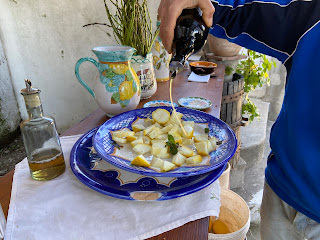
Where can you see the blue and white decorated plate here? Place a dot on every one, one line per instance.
(105, 178)
(198, 103)
(159, 103)
(105, 147)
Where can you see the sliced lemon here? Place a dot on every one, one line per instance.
(200, 138)
(194, 159)
(141, 148)
(167, 166)
(139, 140)
(177, 137)
(140, 160)
(178, 159)
(161, 116)
(137, 127)
(185, 151)
(188, 130)
(202, 148)
(131, 138)
(156, 162)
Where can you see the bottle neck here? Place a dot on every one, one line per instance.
(33, 105)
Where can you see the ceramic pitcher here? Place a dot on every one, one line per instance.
(161, 59)
(118, 89)
(145, 71)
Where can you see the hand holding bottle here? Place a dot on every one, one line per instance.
(170, 10)
(190, 35)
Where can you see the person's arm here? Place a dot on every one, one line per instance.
(270, 27)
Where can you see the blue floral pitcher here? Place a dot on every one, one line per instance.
(119, 87)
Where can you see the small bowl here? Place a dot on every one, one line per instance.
(202, 67)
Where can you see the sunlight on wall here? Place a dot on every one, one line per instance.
(43, 40)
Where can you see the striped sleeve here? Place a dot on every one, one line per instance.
(270, 27)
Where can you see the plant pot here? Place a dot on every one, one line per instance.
(143, 66)
(222, 47)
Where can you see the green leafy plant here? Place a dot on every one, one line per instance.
(255, 71)
(173, 146)
(131, 24)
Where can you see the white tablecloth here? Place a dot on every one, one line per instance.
(64, 208)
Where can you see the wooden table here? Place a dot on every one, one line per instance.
(181, 88)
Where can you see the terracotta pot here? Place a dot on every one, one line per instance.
(222, 47)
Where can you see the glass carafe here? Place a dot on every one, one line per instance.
(40, 138)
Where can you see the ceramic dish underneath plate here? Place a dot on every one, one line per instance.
(105, 178)
(159, 103)
(107, 150)
(198, 103)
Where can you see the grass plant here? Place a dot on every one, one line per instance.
(131, 24)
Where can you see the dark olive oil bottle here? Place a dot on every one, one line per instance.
(190, 35)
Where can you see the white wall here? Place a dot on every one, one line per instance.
(9, 114)
(43, 39)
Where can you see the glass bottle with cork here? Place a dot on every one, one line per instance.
(190, 35)
(41, 139)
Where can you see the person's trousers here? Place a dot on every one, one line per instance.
(279, 221)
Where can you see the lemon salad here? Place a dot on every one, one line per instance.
(160, 143)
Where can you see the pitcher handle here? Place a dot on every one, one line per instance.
(81, 60)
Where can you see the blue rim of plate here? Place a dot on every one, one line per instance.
(107, 182)
(104, 144)
(159, 103)
(187, 102)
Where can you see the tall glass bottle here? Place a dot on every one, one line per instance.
(190, 35)
(40, 138)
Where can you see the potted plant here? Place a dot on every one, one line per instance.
(255, 71)
(132, 26)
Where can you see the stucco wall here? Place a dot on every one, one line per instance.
(43, 40)
(9, 114)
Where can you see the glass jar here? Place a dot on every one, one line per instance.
(41, 139)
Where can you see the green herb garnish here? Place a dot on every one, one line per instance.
(206, 130)
(116, 145)
(173, 146)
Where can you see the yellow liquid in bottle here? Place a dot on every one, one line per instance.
(47, 164)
